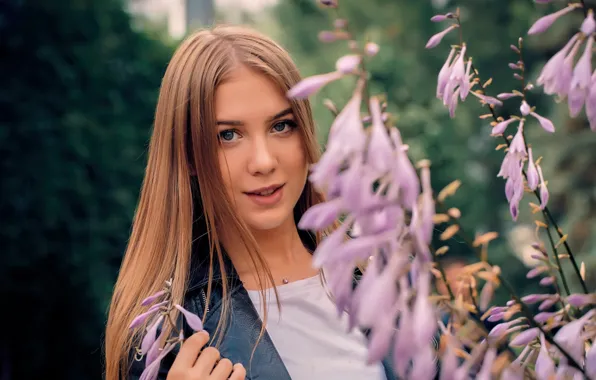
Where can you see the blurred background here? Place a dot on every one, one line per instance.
(79, 83)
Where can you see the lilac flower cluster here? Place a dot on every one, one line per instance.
(387, 208)
(572, 334)
(155, 345)
(560, 76)
(370, 183)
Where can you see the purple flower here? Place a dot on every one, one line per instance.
(487, 364)
(525, 337)
(557, 72)
(486, 99)
(589, 24)
(424, 364)
(151, 371)
(502, 329)
(311, 85)
(507, 95)
(500, 128)
(545, 123)
(545, 366)
(381, 337)
(380, 151)
(543, 23)
(436, 39)
(327, 36)
(150, 335)
(458, 83)
(449, 361)
(371, 49)
(340, 284)
(547, 281)
(580, 300)
(348, 63)
(423, 313)
(543, 190)
(444, 74)
(590, 364)
(322, 215)
(567, 336)
(152, 298)
(548, 303)
(193, 320)
(581, 80)
(518, 145)
(533, 298)
(591, 103)
(405, 181)
(141, 318)
(544, 316)
(532, 172)
(439, 18)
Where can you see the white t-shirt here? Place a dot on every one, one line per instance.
(311, 339)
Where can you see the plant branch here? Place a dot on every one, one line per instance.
(584, 7)
(566, 245)
(546, 210)
(558, 261)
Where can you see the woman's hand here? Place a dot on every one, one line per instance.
(195, 363)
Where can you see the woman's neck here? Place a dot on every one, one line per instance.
(282, 250)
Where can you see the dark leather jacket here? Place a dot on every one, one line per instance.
(242, 329)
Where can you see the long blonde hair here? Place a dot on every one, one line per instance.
(181, 194)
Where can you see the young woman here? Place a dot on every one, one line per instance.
(225, 185)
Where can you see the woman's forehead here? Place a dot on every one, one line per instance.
(248, 94)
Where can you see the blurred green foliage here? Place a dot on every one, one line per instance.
(79, 84)
(79, 87)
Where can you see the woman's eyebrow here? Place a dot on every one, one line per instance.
(235, 123)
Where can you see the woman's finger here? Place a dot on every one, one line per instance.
(206, 361)
(222, 370)
(189, 351)
(239, 372)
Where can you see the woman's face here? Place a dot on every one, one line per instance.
(261, 156)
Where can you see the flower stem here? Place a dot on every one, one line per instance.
(566, 245)
(585, 9)
(554, 247)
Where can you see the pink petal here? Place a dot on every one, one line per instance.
(500, 128)
(371, 49)
(149, 300)
(150, 335)
(545, 123)
(321, 215)
(311, 85)
(141, 318)
(543, 23)
(348, 63)
(525, 337)
(193, 320)
(436, 39)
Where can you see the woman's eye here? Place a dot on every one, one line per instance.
(284, 126)
(227, 135)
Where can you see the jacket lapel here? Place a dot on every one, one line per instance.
(243, 328)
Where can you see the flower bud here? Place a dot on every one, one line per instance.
(371, 49)
(327, 36)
